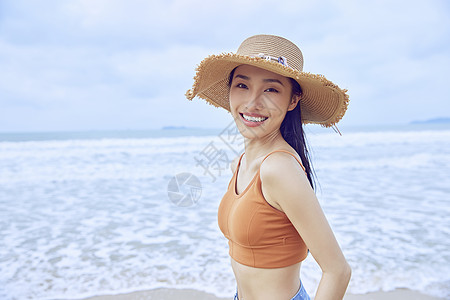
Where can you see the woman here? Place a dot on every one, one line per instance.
(270, 213)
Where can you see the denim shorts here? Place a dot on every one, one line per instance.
(301, 294)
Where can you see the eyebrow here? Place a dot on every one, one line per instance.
(273, 80)
(242, 76)
(265, 80)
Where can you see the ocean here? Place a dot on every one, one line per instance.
(92, 213)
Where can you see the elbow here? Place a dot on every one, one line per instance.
(341, 272)
(346, 272)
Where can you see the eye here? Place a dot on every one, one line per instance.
(241, 86)
(271, 90)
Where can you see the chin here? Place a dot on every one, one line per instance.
(253, 132)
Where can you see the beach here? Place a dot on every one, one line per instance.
(186, 294)
(103, 214)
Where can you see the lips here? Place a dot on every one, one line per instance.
(252, 119)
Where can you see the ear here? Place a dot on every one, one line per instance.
(294, 102)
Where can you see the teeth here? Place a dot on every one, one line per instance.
(254, 119)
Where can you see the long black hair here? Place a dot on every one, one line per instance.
(292, 130)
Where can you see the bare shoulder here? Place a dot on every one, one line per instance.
(283, 180)
(281, 165)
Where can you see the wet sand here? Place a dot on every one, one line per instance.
(187, 294)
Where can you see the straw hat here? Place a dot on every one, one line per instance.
(322, 102)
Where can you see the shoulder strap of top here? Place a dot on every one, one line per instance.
(231, 184)
(301, 165)
(239, 162)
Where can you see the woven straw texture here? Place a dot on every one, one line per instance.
(322, 101)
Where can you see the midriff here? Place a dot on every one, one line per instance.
(266, 284)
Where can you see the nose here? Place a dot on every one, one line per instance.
(256, 101)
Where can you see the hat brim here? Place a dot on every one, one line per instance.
(322, 102)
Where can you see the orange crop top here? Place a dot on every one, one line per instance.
(259, 235)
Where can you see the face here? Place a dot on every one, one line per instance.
(259, 100)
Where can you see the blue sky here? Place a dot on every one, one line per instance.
(110, 64)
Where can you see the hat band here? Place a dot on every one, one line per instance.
(281, 59)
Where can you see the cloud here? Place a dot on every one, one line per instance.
(126, 64)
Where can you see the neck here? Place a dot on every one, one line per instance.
(257, 147)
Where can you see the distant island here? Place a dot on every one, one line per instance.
(174, 127)
(433, 121)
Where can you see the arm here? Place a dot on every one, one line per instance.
(291, 192)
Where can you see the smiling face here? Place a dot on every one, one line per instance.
(259, 100)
